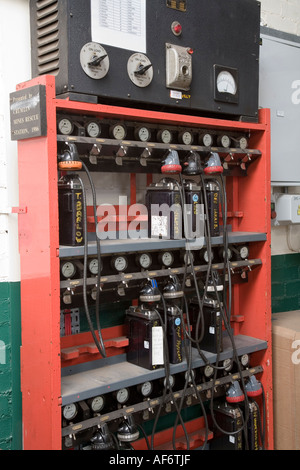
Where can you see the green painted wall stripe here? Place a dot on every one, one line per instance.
(285, 270)
(10, 386)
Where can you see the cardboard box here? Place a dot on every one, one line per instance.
(286, 379)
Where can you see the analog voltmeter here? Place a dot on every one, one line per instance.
(68, 269)
(142, 133)
(186, 138)
(119, 263)
(140, 70)
(94, 60)
(70, 411)
(118, 131)
(145, 388)
(165, 136)
(65, 126)
(144, 260)
(226, 84)
(166, 258)
(122, 395)
(93, 129)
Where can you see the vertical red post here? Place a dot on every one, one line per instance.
(40, 308)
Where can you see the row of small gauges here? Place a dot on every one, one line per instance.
(95, 128)
(150, 389)
(147, 260)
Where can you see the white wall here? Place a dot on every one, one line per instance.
(14, 68)
(283, 15)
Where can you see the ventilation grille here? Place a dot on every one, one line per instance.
(47, 31)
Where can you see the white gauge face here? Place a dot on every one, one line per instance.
(93, 129)
(207, 140)
(70, 411)
(68, 270)
(118, 132)
(120, 263)
(165, 136)
(243, 143)
(171, 381)
(93, 266)
(140, 70)
(167, 258)
(205, 256)
(245, 360)
(225, 141)
(94, 60)
(145, 260)
(65, 126)
(227, 364)
(244, 252)
(187, 138)
(146, 388)
(97, 404)
(208, 371)
(143, 134)
(122, 395)
(229, 253)
(226, 83)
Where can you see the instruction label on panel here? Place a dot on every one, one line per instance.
(119, 23)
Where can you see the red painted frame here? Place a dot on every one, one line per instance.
(248, 203)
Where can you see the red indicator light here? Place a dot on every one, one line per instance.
(176, 28)
(191, 51)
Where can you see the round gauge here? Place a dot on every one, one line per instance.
(146, 389)
(208, 371)
(188, 258)
(70, 411)
(189, 376)
(244, 252)
(164, 136)
(226, 83)
(171, 381)
(186, 138)
(119, 263)
(94, 60)
(205, 255)
(143, 134)
(243, 143)
(122, 395)
(68, 269)
(144, 260)
(227, 364)
(222, 253)
(93, 266)
(206, 140)
(118, 131)
(224, 141)
(140, 70)
(97, 403)
(166, 258)
(244, 360)
(65, 126)
(93, 129)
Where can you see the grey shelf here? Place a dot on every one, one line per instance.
(90, 379)
(151, 244)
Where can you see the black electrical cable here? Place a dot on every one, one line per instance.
(225, 317)
(99, 343)
(140, 427)
(168, 385)
(98, 256)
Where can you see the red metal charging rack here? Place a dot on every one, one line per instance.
(41, 351)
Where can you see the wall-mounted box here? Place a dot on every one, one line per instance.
(287, 207)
